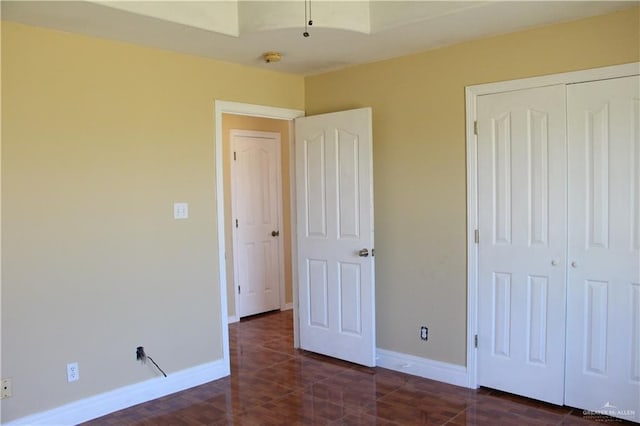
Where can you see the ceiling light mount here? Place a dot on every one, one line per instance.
(270, 57)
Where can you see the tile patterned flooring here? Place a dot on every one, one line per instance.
(273, 384)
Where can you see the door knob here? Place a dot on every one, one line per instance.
(275, 233)
(554, 263)
(363, 253)
(574, 264)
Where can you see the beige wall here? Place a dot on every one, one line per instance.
(419, 161)
(99, 139)
(241, 122)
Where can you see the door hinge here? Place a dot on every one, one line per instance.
(238, 289)
(235, 158)
(475, 128)
(236, 223)
(476, 236)
(475, 341)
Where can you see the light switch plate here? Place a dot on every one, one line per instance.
(180, 210)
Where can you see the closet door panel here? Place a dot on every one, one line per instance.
(522, 248)
(603, 300)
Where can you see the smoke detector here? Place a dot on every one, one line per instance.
(272, 57)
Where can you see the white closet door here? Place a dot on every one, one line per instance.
(603, 310)
(522, 248)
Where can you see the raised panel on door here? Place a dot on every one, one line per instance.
(603, 318)
(315, 182)
(317, 296)
(336, 287)
(522, 237)
(350, 298)
(348, 175)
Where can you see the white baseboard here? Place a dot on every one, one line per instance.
(422, 367)
(127, 396)
(233, 318)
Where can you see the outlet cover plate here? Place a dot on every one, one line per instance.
(73, 373)
(424, 333)
(6, 389)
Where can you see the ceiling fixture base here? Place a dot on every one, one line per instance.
(270, 57)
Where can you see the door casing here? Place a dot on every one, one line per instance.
(225, 107)
(471, 94)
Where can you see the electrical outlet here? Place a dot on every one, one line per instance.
(6, 389)
(73, 372)
(424, 333)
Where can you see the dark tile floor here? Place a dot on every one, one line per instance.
(273, 384)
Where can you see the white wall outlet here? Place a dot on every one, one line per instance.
(180, 210)
(73, 373)
(6, 389)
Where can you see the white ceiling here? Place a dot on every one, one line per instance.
(344, 32)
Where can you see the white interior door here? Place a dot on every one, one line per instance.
(603, 310)
(334, 191)
(522, 242)
(256, 201)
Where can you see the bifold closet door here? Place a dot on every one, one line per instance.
(522, 242)
(603, 298)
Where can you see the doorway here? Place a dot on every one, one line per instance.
(350, 165)
(227, 299)
(252, 134)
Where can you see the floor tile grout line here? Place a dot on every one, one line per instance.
(464, 410)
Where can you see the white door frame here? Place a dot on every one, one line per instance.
(226, 107)
(281, 273)
(471, 94)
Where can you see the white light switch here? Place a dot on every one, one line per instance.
(180, 210)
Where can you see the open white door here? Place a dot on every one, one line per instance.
(334, 187)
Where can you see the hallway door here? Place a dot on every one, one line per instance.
(256, 203)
